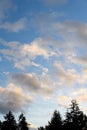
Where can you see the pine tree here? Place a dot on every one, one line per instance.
(56, 122)
(41, 128)
(75, 119)
(0, 125)
(23, 125)
(10, 122)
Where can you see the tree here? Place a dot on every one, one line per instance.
(0, 125)
(56, 122)
(10, 122)
(23, 125)
(75, 119)
(41, 128)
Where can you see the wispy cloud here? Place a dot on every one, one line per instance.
(14, 27)
(24, 54)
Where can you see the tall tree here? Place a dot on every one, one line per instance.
(23, 125)
(75, 119)
(10, 122)
(56, 122)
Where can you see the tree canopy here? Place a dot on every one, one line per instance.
(10, 122)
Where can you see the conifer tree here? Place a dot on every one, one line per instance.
(10, 122)
(41, 128)
(23, 125)
(56, 122)
(0, 125)
(75, 119)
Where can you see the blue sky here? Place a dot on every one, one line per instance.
(43, 57)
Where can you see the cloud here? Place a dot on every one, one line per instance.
(74, 29)
(73, 35)
(79, 94)
(12, 98)
(23, 55)
(64, 101)
(81, 60)
(81, 97)
(14, 27)
(63, 76)
(32, 127)
(31, 83)
(68, 77)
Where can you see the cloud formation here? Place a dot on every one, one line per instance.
(24, 54)
(32, 83)
(63, 76)
(12, 98)
(14, 27)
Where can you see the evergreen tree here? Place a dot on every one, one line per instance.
(56, 122)
(23, 125)
(0, 125)
(75, 119)
(10, 122)
(41, 128)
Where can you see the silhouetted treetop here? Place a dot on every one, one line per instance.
(75, 119)
(10, 122)
(23, 125)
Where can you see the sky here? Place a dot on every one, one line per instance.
(43, 57)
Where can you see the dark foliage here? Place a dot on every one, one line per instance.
(10, 123)
(74, 119)
(22, 123)
(55, 123)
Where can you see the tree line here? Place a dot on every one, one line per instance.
(75, 119)
(10, 123)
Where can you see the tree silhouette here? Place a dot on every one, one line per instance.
(56, 122)
(41, 128)
(10, 122)
(75, 119)
(23, 125)
(0, 125)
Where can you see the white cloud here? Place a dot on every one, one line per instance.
(67, 77)
(79, 94)
(64, 101)
(23, 55)
(14, 27)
